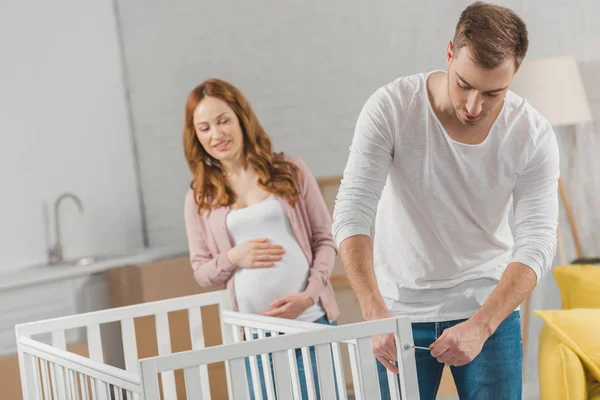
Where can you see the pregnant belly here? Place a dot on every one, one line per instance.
(256, 288)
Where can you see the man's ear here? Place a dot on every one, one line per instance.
(449, 52)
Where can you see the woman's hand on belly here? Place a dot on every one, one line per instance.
(258, 253)
(290, 306)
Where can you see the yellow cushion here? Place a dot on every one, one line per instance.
(594, 390)
(562, 375)
(579, 285)
(579, 331)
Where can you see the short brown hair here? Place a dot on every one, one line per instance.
(493, 33)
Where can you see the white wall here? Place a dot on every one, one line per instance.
(63, 127)
(307, 68)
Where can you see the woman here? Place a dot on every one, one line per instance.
(255, 219)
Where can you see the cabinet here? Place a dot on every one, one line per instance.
(40, 301)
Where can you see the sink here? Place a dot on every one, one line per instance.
(81, 261)
(89, 260)
(134, 256)
(90, 264)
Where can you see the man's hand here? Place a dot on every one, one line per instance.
(357, 258)
(384, 346)
(289, 306)
(460, 344)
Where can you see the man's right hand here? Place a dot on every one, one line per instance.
(258, 253)
(357, 257)
(384, 346)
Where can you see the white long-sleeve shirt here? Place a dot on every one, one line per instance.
(442, 236)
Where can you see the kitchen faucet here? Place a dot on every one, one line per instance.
(55, 254)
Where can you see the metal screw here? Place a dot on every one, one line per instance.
(409, 346)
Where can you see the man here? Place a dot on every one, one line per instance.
(442, 157)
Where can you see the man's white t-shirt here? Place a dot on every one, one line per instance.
(442, 236)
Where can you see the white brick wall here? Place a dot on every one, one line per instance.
(307, 67)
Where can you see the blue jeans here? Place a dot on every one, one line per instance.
(299, 362)
(496, 373)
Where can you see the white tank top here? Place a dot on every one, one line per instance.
(256, 288)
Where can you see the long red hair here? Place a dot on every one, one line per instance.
(276, 175)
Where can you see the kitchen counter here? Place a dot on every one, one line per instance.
(32, 275)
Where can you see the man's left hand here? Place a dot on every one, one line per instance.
(460, 344)
(289, 306)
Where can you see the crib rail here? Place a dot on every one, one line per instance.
(54, 374)
(285, 381)
(125, 316)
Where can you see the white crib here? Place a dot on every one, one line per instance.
(51, 372)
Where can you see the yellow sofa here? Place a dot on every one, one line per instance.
(569, 346)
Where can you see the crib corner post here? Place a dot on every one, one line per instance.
(22, 369)
(406, 359)
(149, 379)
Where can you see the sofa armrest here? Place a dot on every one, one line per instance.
(562, 374)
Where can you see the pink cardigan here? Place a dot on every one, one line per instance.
(209, 241)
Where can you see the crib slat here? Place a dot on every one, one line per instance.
(281, 368)
(98, 389)
(53, 381)
(308, 374)
(393, 384)
(197, 336)
(118, 393)
(163, 339)
(45, 379)
(196, 331)
(102, 392)
(95, 342)
(355, 368)
(59, 342)
(231, 334)
(339, 370)
(368, 371)
(193, 386)
(325, 371)
(32, 379)
(406, 359)
(106, 389)
(72, 384)
(94, 388)
(266, 366)
(294, 373)
(129, 345)
(83, 385)
(254, 373)
(63, 383)
(239, 387)
(148, 377)
(293, 366)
